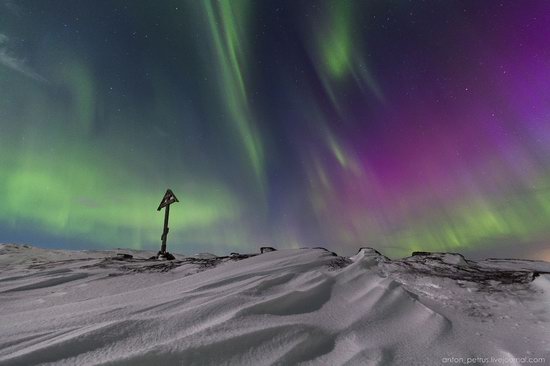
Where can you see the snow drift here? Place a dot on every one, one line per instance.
(286, 307)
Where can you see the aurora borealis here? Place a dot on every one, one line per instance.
(421, 125)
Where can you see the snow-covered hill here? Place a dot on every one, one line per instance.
(286, 307)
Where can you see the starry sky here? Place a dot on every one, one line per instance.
(402, 125)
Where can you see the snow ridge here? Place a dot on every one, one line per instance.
(284, 307)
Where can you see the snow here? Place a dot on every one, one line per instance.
(285, 307)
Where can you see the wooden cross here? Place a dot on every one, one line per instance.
(167, 200)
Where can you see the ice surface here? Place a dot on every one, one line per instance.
(285, 307)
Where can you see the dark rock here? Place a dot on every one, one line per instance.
(421, 253)
(239, 256)
(446, 258)
(166, 255)
(124, 256)
(370, 250)
(267, 249)
(339, 263)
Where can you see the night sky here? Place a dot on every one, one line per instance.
(421, 125)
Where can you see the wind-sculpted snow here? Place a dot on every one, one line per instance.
(286, 307)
